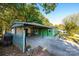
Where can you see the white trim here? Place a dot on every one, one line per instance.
(23, 40)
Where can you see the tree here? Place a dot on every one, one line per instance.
(48, 7)
(71, 23)
(10, 13)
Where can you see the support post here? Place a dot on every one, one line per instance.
(24, 48)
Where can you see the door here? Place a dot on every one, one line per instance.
(26, 34)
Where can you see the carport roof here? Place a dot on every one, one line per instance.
(23, 24)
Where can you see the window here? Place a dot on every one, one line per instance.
(49, 30)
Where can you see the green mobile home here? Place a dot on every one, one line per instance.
(22, 30)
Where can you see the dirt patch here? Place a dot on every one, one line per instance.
(38, 51)
(14, 51)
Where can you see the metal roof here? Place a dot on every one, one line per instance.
(21, 24)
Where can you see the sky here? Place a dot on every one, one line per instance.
(61, 11)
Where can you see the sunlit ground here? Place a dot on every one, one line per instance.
(73, 39)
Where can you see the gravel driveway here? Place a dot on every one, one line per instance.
(55, 45)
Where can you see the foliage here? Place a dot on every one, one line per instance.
(60, 26)
(48, 7)
(71, 24)
(10, 13)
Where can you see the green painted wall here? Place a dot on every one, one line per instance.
(47, 32)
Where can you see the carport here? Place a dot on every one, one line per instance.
(22, 30)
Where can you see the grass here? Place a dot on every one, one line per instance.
(74, 37)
